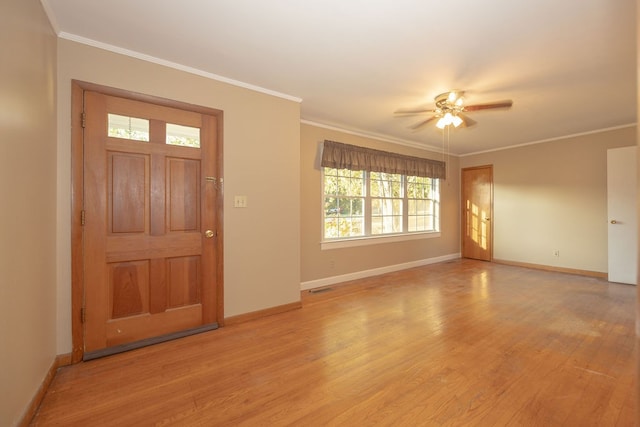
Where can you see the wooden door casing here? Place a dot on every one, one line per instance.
(477, 213)
(147, 268)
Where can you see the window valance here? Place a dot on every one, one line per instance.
(344, 156)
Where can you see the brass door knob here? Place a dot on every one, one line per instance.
(209, 234)
(613, 221)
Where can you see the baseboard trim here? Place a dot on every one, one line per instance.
(312, 284)
(241, 318)
(596, 274)
(60, 361)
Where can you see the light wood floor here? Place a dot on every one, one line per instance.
(462, 343)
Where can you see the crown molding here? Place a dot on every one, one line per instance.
(556, 138)
(174, 65)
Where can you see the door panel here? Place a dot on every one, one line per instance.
(183, 281)
(477, 203)
(129, 288)
(183, 194)
(149, 269)
(128, 178)
(622, 213)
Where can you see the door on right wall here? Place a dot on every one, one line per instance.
(622, 213)
(477, 203)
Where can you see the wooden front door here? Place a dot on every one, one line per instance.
(150, 236)
(477, 203)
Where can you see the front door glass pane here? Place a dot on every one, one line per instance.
(186, 136)
(128, 127)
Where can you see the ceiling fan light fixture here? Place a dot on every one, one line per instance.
(450, 108)
(448, 119)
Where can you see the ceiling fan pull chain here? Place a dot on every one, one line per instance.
(446, 164)
(443, 159)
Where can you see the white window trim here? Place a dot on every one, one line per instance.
(377, 239)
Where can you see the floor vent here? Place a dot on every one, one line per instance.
(320, 290)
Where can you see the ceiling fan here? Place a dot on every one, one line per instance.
(450, 110)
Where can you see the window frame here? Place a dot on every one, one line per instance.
(368, 238)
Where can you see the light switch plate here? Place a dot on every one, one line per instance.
(240, 201)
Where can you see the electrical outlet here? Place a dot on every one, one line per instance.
(556, 253)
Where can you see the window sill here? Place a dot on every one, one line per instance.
(375, 240)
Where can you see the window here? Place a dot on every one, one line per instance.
(423, 202)
(137, 129)
(343, 203)
(128, 127)
(386, 191)
(183, 135)
(371, 193)
(371, 204)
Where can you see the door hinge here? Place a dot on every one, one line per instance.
(82, 217)
(83, 119)
(83, 315)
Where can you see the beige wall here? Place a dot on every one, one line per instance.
(261, 161)
(637, 397)
(28, 204)
(319, 267)
(553, 196)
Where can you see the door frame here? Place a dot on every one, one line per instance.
(462, 208)
(77, 200)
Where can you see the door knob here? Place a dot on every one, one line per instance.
(208, 234)
(487, 219)
(613, 221)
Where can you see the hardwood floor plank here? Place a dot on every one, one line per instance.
(459, 343)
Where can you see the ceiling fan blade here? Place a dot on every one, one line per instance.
(422, 123)
(466, 120)
(500, 104)
(409, 111)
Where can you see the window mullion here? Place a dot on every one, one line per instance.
(367, 203)
(436, 208)
(405, 206)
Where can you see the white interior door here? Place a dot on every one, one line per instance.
(622, 213)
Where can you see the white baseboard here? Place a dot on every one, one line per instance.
(311, 284)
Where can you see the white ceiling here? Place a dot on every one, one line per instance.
(568, 65)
